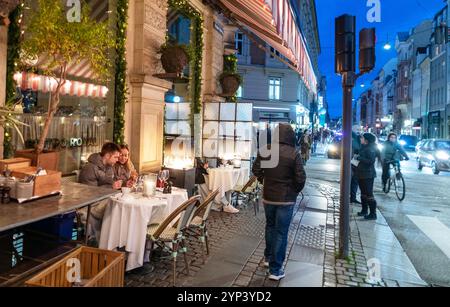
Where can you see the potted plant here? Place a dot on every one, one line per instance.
(230, 82)
(8, 119)
(174, 56)
(64, 43)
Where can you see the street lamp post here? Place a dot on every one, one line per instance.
(345, 66)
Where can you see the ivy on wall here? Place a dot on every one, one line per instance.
(121, 89)
(184, 8)
(13, 57)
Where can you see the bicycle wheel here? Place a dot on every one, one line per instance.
(400, 187)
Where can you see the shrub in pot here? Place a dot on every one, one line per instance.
(174, 57)
(230, 83)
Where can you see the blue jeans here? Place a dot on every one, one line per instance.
(278, 219)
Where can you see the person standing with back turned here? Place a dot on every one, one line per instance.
(282, 183)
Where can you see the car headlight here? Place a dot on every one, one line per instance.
(442, 155)
(403, 143)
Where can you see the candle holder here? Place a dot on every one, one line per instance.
(150, 185)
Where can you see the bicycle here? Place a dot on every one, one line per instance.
(396, 180)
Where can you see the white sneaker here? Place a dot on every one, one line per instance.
(277, 277)
(230, 209)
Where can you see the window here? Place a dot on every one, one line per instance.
(239, 43)
(274, 88)
(239, 92)
(272, 51)
(405, 93)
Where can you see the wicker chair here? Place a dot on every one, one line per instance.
(248, 193)
(170, 232)
(197, 227)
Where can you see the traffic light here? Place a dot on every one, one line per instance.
(345, 40)
(367, 57)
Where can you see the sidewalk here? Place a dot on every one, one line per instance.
(237, 251)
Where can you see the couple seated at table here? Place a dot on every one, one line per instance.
(111, 168)
(202, 182)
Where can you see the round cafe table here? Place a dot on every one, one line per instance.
(226, 179)
(127, 217)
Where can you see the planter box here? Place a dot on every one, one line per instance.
(98, 268)
(43, 185)
(48, 160)
(14, 163)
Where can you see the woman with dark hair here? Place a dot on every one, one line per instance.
(124, 169)
(366, 174)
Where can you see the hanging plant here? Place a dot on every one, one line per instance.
(197, 45)
(230, 79)
(174, 56)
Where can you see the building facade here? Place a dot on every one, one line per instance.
(277, 92)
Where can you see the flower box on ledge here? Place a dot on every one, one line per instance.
(44, 185)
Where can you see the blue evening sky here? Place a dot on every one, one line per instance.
(396, 16)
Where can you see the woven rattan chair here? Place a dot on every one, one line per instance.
(248, 193)
(197, 227)
(171, 230)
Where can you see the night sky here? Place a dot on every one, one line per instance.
(396, 16)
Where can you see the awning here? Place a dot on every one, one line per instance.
(273, 21)
(47, 84)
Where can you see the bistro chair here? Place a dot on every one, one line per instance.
(197, 227)
(171, 230)
(248, 193)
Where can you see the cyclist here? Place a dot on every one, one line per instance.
(393, 152)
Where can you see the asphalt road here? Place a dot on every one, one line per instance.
(421, 222)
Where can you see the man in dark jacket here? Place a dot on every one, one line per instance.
(98, 172)
(392, 153)
(283, 181)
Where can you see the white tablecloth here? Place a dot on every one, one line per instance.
(226, 179)
(127, 217)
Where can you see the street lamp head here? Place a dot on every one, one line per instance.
(387, 46)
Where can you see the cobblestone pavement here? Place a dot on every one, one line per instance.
(222, 227)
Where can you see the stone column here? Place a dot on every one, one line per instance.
(3, 54)
(145, 110)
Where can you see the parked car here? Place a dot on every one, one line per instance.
(434, 154)
(334, 148)
(408, 142)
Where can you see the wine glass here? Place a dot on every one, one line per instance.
(165, 175)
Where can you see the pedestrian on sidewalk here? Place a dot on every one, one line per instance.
(282, 181)
(305, 145)
(366, 173)
(356, 145)
(316, 141)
